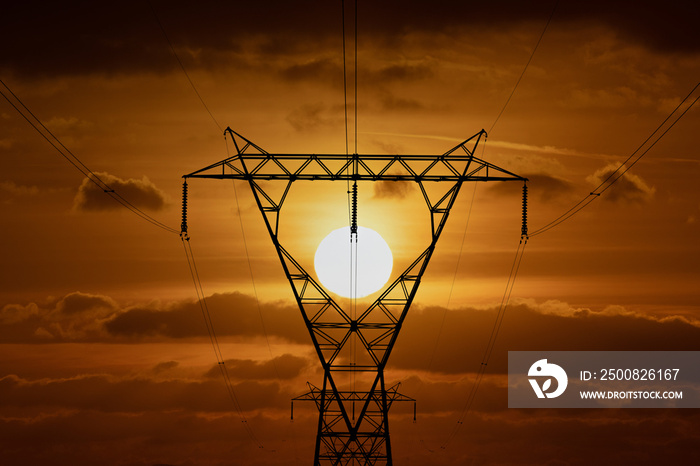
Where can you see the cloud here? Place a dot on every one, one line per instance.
(556, 437)
(549, 150)
(76, 316)
(546, 188)
(631, 19)
(156, 423)
(391, 102)
(14, 313)
(693, 216)
(282, 367)
(310, 117)
(9, 190)
(628, 189)
(93, 38)
(618, 98)
(391, 189)
(60, 125)
(155, 438)
(232, 314)
(320, 69)
(142, 194)
(457, 344)
(83, 303)
(404, 72)
(170, 413)
(87, 317)
(108, 393)
(165, 366)
(463, 332)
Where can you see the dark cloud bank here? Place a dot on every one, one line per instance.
(77, 38)
(551, 325)
(170, 416)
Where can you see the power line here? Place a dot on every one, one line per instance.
(190, 256)
(459, 259)
(195, 275)
(182, 66)
(454, 280)
(509, 284)
(623, 167)
(345, 81)
(606, 184)
(491, 342)
(221, 363)
(519, 253)
(526, 66)
(351, 194)
(345, 107)
(355, 100)
(252, 277)
(56, 143)
(80, 166)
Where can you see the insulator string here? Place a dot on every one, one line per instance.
(353, 225)
(523, 231)
(183, 226)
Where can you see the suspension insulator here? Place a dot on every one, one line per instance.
(183, 227)
(523, 231)
(353, 224)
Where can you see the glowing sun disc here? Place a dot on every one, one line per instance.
(336, 257)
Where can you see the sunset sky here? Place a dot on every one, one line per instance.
(104, 352)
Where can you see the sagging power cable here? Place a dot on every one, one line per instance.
(525, 68)
(625, 166)
(491, 342)
(250, 271)
(182, 66)
(515, 87)
(71, 158)
(221, 363)
(351, 192)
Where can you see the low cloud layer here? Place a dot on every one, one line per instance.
(283, 367)
(10, 190)
(86, 317)
(428, 333)
(175, 408)
(142, 194)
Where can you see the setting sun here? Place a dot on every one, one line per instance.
(353, 269)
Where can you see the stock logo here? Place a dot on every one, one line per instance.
(542, 369)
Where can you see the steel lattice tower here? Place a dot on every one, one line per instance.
(344, 436)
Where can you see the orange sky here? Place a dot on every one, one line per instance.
(105, 357)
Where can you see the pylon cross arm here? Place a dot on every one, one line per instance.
(456, 165)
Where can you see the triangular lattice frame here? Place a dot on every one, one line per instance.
(344, 436)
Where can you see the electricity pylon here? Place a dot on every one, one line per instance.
(344, 436)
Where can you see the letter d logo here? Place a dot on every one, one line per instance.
(543, 369)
